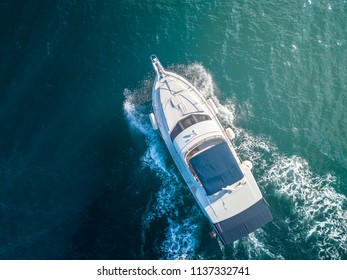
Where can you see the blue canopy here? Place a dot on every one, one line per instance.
(216, 168)
(244, 223)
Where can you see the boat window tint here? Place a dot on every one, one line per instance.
(187, 122)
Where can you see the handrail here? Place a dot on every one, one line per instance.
(158, 68)
(153, 58)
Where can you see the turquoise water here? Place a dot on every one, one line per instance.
(83, 176)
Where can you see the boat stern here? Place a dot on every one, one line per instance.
(244, 223)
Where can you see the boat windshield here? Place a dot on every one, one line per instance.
(187, 122)
(216, 168)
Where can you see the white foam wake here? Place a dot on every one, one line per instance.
(320, 221)
(320, 213)
(167, 202)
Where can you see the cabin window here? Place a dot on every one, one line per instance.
(187, 122)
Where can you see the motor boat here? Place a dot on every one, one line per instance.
(222, 185)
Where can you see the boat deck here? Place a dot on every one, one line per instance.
(176, 99)
(224, 188)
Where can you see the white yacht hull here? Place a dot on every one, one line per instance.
(223, 187)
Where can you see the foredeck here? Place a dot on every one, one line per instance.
(178, 99)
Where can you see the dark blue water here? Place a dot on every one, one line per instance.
(82, 176)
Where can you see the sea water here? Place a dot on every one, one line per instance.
(83, 175)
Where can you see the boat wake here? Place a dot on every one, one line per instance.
(171, 197)
(309, 214)
(319, 211)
